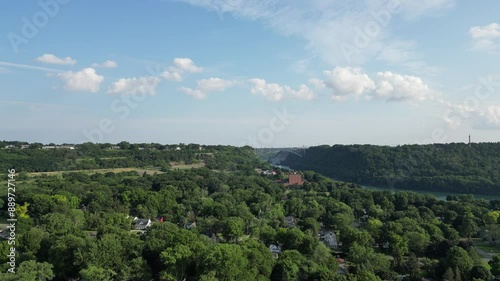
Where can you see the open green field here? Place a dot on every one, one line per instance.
(486, 265)
(140, 171)
(112, 158)
(187, 166)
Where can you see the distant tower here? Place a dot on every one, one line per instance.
(469, 139)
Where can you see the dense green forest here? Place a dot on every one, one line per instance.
(455, 167)
(221, 221)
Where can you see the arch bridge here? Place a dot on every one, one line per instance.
(299, 151)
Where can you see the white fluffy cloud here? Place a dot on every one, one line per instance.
(488, 31)
(52, 59)
(106, 64)
(492, 116)
(318, 84)
(346, 81)
(396, 87)
(84, 80)
(481, 117)
(172, 76)
(205, 86)
(187, 65)
(134, 86)
(179, 67)
(303, 93)
(214, 84)
(486, 38)
(276, 92)
(271, 91)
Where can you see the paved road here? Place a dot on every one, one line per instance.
(484, 254)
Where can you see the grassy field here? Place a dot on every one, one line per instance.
(186, 166)
(486, 265)
(84, 159)
(140, 171)
(112, 158)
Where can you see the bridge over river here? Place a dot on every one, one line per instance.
(267, 153)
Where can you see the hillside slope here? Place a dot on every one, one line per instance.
(452, 167)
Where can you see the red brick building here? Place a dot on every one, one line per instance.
(294, 179)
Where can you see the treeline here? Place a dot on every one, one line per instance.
(454, 167)
(104, 156)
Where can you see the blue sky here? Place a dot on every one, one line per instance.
(263, 73)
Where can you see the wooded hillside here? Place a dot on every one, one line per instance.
(452, 167)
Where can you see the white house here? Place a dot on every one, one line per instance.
(275, 250)
(330, 240)
(141, 224)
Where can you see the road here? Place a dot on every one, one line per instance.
(486, 256)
